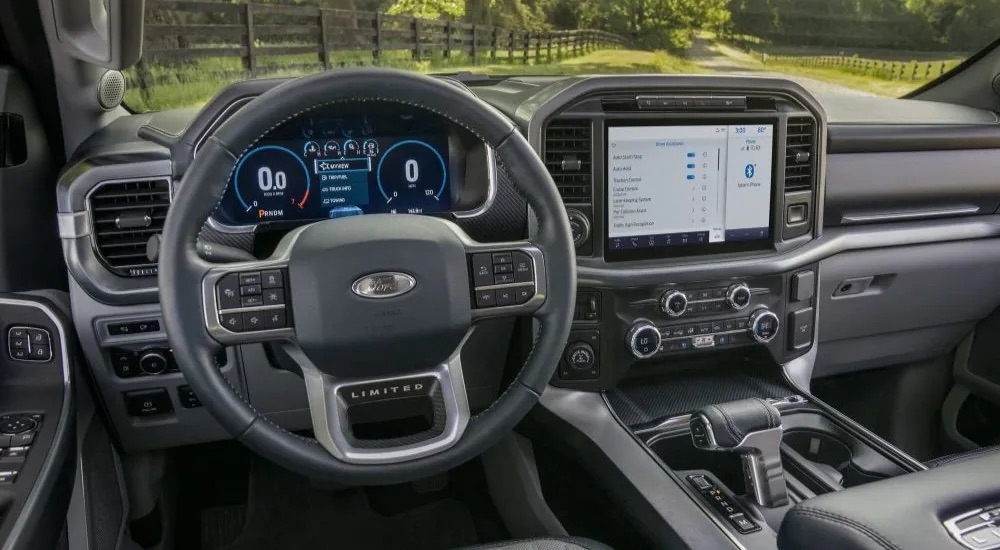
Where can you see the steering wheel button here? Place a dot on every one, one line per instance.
(253, 320)
(503, 268)
(523, 293)
(504, 278)
(482, 269)
(502, 258)
(252, 301)
(523, 268)
(486, 298)
(272, 279)
(232, 321)
(274, 297)
(250, 278)
(505, 296)
(249, 290)
(228, 291)
(275, 318)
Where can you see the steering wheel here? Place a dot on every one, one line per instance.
(377, 308)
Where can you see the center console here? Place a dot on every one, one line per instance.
(693, 193)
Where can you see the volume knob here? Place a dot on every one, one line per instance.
(643, 339)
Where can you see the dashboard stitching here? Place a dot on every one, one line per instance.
(771, 422)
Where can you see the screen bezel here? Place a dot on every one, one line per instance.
(681, 251)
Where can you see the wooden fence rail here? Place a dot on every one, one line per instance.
(272, 39)
(877, 68)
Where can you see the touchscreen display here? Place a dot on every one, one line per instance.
(680, 190)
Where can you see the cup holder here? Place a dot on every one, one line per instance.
(831, 451)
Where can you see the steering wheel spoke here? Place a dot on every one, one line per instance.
(507, 279)
(384, 420)
(248, 302)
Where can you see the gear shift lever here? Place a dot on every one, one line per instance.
(752, 428)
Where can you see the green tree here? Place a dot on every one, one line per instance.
(656, 23)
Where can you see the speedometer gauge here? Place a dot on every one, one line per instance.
(413, 173)
(270, 181)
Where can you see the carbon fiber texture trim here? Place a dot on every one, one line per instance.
(645, 402)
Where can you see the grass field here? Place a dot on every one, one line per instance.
(196, 83)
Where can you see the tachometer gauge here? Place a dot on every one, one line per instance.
(271, 181)
(412, 174)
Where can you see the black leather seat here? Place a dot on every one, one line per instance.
(543, 543)
(959, 457)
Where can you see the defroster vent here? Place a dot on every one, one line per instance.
(800, 154)
(124, 216)
(568, 159)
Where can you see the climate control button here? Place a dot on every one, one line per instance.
(643, 339)
(674, 303)
(763, 325)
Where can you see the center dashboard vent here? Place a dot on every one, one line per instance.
(124, 215)
(799, 154)
(568, 159)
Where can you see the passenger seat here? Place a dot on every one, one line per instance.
(959, 457)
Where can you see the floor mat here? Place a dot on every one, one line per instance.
(285, 511)
(221, 525)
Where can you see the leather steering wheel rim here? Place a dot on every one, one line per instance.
(181, 270)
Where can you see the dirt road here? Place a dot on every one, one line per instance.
(719, 58)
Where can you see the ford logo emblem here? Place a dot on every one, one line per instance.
(383, 285)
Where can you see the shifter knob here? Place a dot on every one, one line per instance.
(751, 428)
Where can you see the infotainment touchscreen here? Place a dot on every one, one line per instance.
(678, 190)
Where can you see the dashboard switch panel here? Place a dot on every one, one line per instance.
(29, 344)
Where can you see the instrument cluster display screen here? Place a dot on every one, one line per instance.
(679, 190)
(333, 166)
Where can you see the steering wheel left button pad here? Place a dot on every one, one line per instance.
(251, 301)
(502, 278)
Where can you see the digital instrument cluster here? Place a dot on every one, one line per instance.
(330, 166)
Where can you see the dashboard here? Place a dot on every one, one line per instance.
(714, 218)
(349, 161)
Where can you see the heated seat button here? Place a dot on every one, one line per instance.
(148, 402)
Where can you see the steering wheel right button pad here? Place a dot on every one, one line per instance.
(502, 278)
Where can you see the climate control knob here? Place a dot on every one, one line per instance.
(738, 296)
(643, 339)
(152, 362)
(674, 303)
(763, 325)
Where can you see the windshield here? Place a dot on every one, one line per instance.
(192, 49)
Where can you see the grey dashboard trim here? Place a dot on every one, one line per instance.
(73, 224)
(833, 241)
(589, 413)
(885, 138)
(902, 215)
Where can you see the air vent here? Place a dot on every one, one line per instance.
(799, 154)
(567, 157)
(124, 215)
